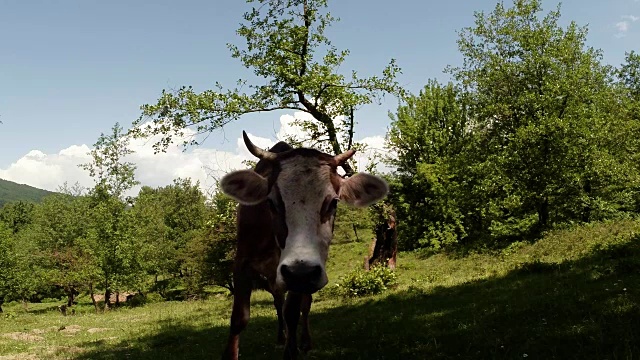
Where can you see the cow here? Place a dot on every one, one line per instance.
(286, 213)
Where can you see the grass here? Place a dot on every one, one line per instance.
(575, 294)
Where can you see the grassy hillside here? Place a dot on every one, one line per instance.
(575, 294)
(10, 191)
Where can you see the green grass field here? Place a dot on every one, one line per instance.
(575, 294)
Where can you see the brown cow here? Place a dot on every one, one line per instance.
(285, 225)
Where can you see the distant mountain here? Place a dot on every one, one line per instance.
(10, 191)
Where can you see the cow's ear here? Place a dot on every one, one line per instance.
(246, 186)
(362, 190)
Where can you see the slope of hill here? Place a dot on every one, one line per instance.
(10, 191)
(574, 294)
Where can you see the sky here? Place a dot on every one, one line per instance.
(70, 69)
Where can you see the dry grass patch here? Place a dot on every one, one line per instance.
(22, 356)
(71, 329)
(97, 330)
(20, 336)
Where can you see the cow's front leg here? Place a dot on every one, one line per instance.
(278, 302)
(305, 340)
(239, 316)
(291, 318)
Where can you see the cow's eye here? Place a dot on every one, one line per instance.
(328, 210)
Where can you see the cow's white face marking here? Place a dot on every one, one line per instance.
(305, 190)
(302, 189)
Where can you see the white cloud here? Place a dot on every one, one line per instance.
(624, 25)
(49, 171)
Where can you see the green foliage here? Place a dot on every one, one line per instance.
(16, 215)
(287, 49)
(362, 283)
(108, 168)
(59, 230)
(11, 192)
(547, 299)
(168, 218)
(6, 263)
(544, 114)
(629, 75)
(111, 236)
(427, 135)
(209, 255)
(536, 133)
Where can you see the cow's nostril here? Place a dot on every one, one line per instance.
(286, 273)
(301, 272)
(315, 272)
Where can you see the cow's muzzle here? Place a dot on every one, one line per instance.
(303, 277)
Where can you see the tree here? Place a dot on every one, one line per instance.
(428, 134)
(629, 74)
(286, 47)
(168, 219)
(111, 232)
(209, 254)
(542, 109)
(110, 172)
(6, 263)
(60, 228)
(629, 78)
(16, 215)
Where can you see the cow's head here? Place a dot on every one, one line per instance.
(302, 189)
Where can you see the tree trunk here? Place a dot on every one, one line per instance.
(117, 298)
(107, 299)
(93, 298)
(1, 306)
(543, 213)
(384, 248)
(71, 293)
(586, 211)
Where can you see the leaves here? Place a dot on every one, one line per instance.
(298, 69)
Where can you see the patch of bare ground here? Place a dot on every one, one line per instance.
(97, 330)
(71, 329)
(21, 356)
(20, 336)
(43, 331)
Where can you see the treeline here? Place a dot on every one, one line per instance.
(534, 132)
(71, 243)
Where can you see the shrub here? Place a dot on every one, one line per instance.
(361, 283)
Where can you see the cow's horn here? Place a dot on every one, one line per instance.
(342, 158)
(256, 151)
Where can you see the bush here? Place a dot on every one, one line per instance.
(361, 283)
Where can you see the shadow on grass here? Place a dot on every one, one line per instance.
(586, 309)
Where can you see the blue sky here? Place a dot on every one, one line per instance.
(70, 69)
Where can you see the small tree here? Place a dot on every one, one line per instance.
(210, 254)
(7, 263)
(17, 215)
(60, 226)
(427, 135)
(110, 233)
